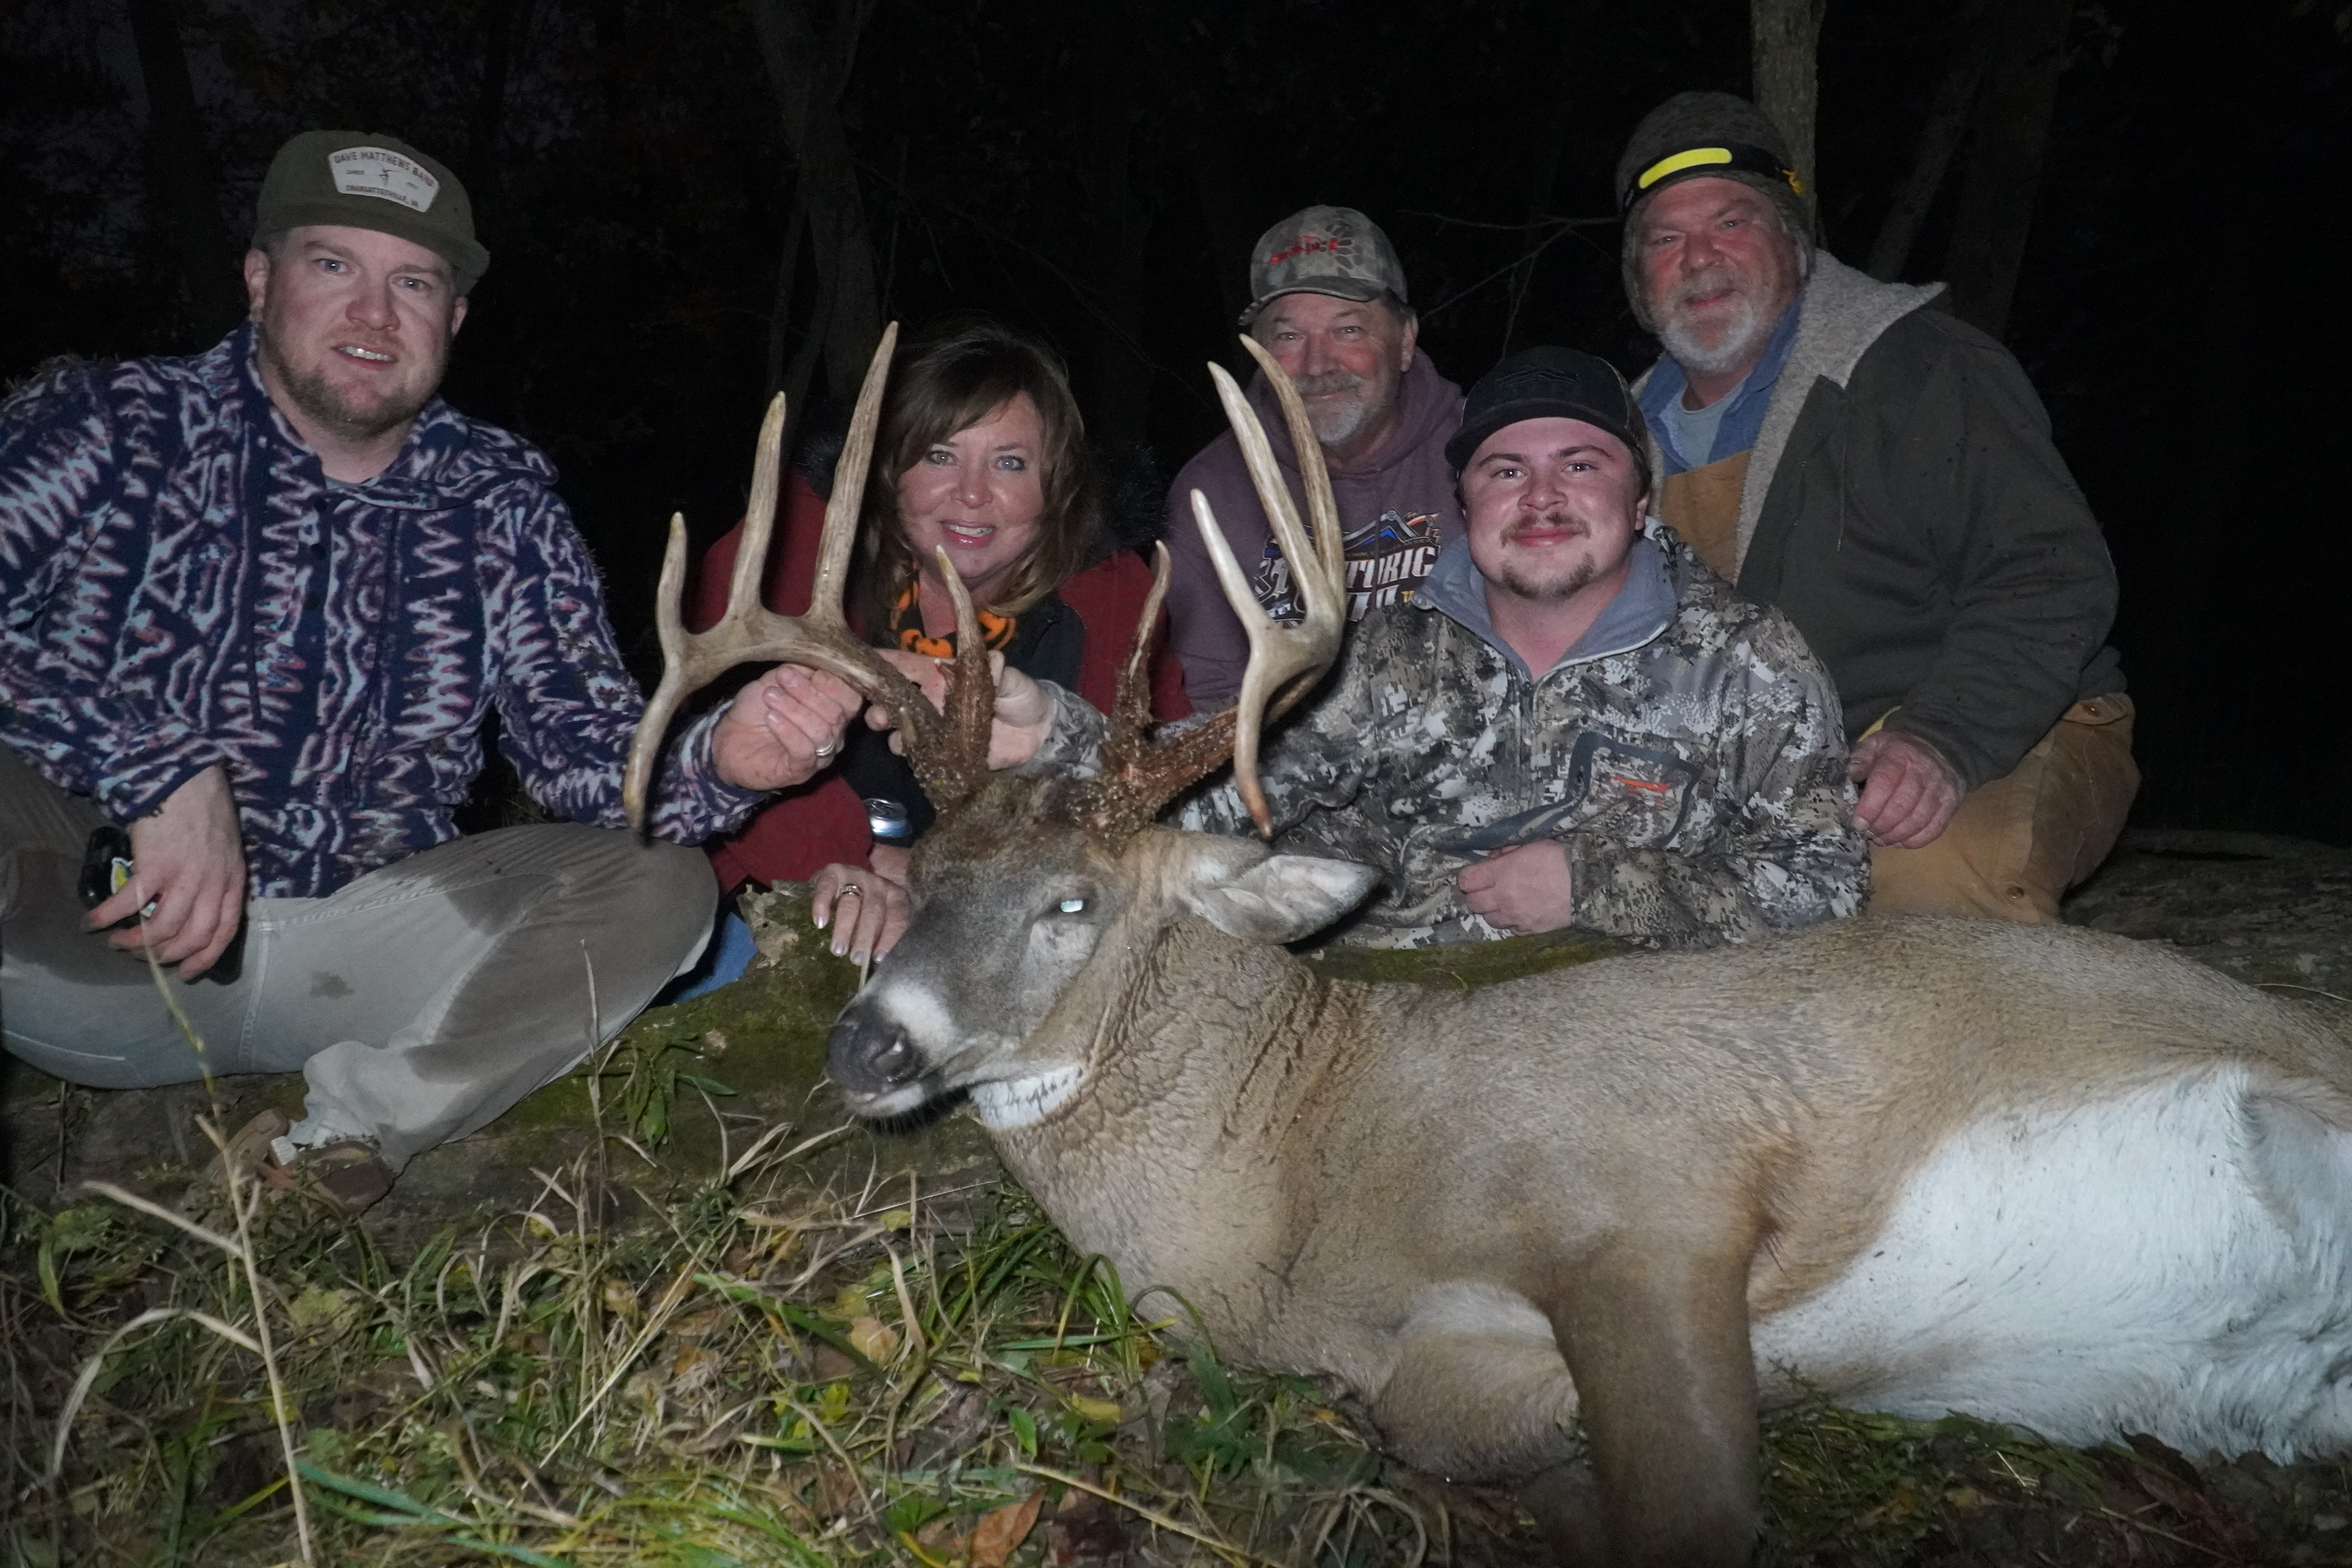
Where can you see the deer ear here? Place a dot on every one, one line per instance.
(1283, 897)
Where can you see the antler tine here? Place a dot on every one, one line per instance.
(1131, 711)
(646, 745)
(1286, 659)
(758, 514)
(1330, 549)
(948, 751)
(848, 497)
(752, 633)
(1127, 746)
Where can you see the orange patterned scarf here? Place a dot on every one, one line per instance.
(995, 630)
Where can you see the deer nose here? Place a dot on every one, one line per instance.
(867, 1053)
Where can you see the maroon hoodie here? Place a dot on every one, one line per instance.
(1396, 507)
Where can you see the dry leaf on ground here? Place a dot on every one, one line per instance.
(1002, 1530)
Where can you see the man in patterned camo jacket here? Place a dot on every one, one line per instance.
(255, 605)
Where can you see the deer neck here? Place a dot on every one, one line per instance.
(1204, 1053)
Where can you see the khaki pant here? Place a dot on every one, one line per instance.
(2019, 841)
(419, 1001)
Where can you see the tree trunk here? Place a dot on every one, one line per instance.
(191, 190)
(1784, 37)
(1939, 138)
(502, 20)
(809, 70)
(1220, 182)
(2008, 133)
(779, 317)
(1117, 227)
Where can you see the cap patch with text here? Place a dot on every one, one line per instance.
(381, 172)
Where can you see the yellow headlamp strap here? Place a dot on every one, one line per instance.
(1719, 156)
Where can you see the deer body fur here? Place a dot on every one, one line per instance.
(2041, 1175)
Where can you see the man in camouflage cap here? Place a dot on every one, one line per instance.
(1573, 724)
(1328, 297)
(255, 607)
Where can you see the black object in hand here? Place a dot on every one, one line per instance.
(106, 871)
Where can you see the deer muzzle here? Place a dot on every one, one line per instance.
(871, 1057)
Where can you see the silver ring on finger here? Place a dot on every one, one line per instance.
(849, 890)
(828, 748)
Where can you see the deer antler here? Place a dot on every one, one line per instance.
(1286, 659)
(949, 751)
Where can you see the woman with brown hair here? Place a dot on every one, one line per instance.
(981, 452)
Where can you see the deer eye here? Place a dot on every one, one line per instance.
(1073, 906)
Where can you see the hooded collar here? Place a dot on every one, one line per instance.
(1841, 314)
(1644, 607)
(447, 459)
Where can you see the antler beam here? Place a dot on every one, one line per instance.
(1286, 659)
(949, 751)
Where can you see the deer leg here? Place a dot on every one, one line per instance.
(1655, 1335)
(1478, 1392)
(1565, 1506)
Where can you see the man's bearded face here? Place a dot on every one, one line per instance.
(1718, 269)
(355, 327)
(1347, 359)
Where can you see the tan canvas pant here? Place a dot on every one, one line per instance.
(2018, 842)
(418, 1000)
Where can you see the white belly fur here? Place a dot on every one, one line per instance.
(2175, 1261)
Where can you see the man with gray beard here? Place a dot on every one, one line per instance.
(1328, 297)
(1883, 474)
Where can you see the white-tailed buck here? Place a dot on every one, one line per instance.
(2043, 1176)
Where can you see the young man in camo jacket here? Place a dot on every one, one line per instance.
(1574, 722)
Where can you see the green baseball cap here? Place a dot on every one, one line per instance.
(361, 179)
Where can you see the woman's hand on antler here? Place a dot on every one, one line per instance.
(1024, 714)
(782, 727)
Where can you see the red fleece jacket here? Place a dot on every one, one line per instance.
(823, 821)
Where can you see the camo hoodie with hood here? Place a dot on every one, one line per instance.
(1686, 753)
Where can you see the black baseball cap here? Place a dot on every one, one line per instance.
(1547, 383)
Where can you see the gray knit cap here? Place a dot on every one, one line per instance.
(1712, 135)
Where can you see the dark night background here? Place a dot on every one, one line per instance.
(1096, 171)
